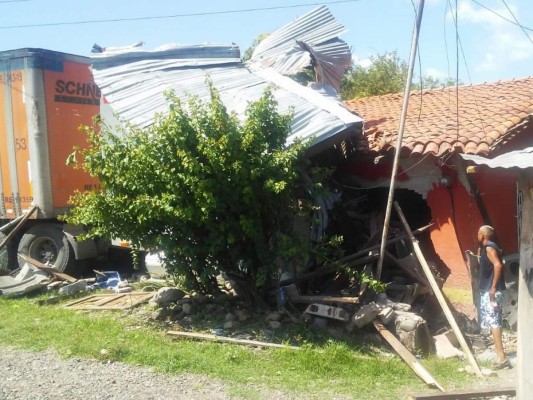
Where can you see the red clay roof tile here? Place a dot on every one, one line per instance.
(486, 113)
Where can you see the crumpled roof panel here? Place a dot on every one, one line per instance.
(312, 36)
(514, 159)
(489, 114)
(135, 89)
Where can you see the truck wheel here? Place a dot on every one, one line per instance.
(47, 243)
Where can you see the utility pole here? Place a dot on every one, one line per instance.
(412, 59)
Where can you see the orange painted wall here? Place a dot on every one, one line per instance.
(72, 100)
(498, 190)
(444, 237)
(457, 219)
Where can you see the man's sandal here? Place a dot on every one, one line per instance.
(501, 365)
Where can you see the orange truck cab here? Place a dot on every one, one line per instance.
(44, 98)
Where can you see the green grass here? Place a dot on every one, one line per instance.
(320, 370)
(458, 295)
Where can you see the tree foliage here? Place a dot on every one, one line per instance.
(215, 194)
(250, 50)
(386, 74)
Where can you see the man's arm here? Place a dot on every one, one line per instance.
(496, 261)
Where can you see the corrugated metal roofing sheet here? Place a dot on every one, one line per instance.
(312, 36)
(514, 159)
(133, 82)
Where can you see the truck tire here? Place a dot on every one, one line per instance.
(48, 244)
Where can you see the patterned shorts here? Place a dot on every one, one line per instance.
(490, 316)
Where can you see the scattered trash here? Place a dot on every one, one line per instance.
(29, 279)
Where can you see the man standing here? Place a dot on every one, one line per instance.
(491, 286)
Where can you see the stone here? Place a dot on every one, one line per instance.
(242, 315)
(201, 299)
(445, 348)
(187, 308)
(273, 316)
(231, 317)
(231, 324)
(161, 314)
(401, 307)
(320, 323)
(408, 325)
(167, 295)
(413, 333)
(179, 316)
(275, 324)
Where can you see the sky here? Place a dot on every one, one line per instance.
(491, 48)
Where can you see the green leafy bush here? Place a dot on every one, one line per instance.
(213, 193)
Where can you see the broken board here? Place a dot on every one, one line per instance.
(119, 301)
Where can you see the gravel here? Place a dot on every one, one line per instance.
(27, 375)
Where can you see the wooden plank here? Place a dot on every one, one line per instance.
(355, 259)
(473, 394)
(294, 296)
(19, 225)
(109, 300)
(120, 301)
(406, 355)
(438, 293)
(411, 272)
(215, 338)
(49, 270)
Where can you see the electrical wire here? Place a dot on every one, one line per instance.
(13, 1)
(468, 73)
(502, 17)
(517, 23)
(199, 14)
(457, 68)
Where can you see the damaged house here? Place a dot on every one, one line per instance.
(434, 182)
(438, 195)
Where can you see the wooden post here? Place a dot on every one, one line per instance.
(525, 291)
(406, 355)
(438, 293)
(398, 148)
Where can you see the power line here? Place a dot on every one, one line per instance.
(502, 17)
(13, 1)
(521, 26)
(199, 14)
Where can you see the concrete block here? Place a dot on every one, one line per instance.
(386, 315)
(327, 311)
(76, 287)
(366, 314)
